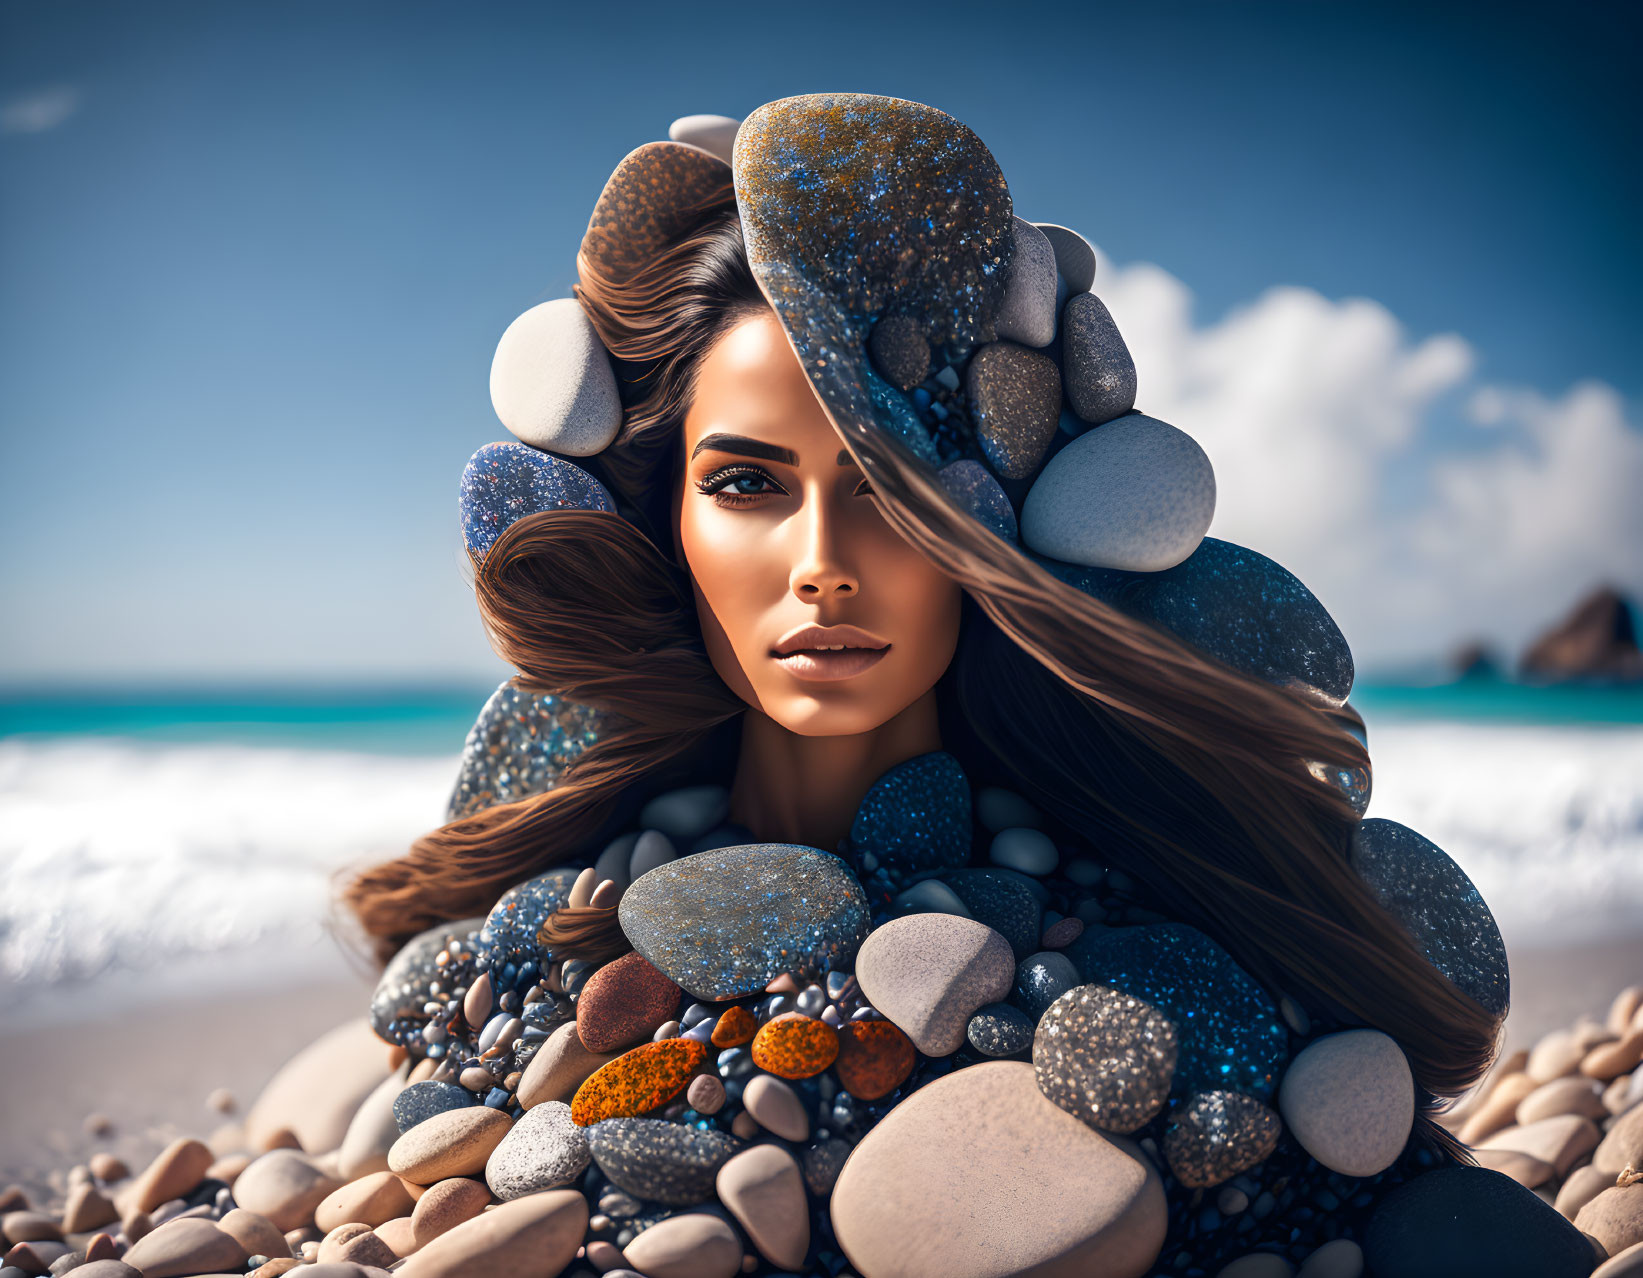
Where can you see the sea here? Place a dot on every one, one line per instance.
(155, 840)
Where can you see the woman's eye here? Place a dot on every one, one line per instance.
(738, 487)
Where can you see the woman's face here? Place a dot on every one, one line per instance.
(790, 556)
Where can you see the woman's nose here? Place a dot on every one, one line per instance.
(820, 571)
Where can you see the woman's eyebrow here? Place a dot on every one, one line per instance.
(746, 447)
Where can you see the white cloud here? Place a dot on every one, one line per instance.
(41, 111)
(1324, 421)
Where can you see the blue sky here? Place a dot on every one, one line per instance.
(254, 260)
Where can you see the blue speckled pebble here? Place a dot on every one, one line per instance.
(916, 816)
(1005, 901)
(505, 482)
(421, 1101)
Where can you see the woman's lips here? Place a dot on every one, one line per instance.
(823, 666)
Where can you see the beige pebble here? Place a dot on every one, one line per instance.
(776, 1107)
(256, 1233)
(744, 1125)
(479, 1002)
(1528, 1171)
(284, 1186)
(30, 1226)
(175, 1171)
(186, 1246)
(1617, 1094)
(1588, 1032)
(275, 1267)
(372, 1199)
(1610, 1060)
(446, 1205)
(228, 1168)
(455, 1143)
(706, 1094)
(372, 1130)
(605, 1256)
(108, 1168)
(361, 1248)
(330, 1247)
(1583, 1185)
(87, 1208)
(1623, 1145)
(1341, 1258)
(691, 1245)
(422, 1071)
(315, 1093)
(560, 1066)
(1628, 1264)
(1560, 1141)
(135, 1224)
(398, 1235)
(227, 1139)
(764, 1190)
(106, 1267)
(1568, 1095)
(1614, 1218)
(581, 891)
(606, 895)
(222, 1101)
(1555, 1055)
(1499, 1109)
(526, 1238)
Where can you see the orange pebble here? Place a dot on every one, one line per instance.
(794, 1045)
(639, 1081)
(735, 1027)
(874, 1058)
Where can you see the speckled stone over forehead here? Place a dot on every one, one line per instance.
(520, 745)
(649, 200)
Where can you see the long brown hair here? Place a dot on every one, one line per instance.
(1186, 774)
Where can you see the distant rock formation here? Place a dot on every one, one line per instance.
(1474, 660)
(1597, 640)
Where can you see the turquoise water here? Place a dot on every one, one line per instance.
(434, 720)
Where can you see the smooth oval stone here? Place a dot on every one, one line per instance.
(479, 1002)
(1471, 1220)
(1349, 1099)
(706, 1094)
(1005, 901)
(1434, 899)
(726, 923)
(1025, 851)
(506, 482)
(174, 1172)
(687, 813)
(795, 1046)
(1136, 495)
(930, 896)
(1000, 1030)
(1096, 364)
(900, 351)
(446, 1205)
(1231, 1036)
(543, 1150)
(284, 1186)
(1238, 606)
(559, 1067)
(667, 1162)
(1341, 1258)
(614, 861)
(520, 745)
(690, 1245)
(764, 1190)
(973, 487)
(532, 1236)
(1614, 1217)
(1015, 397)
(1106, 1057)
(928, 973)
(552, 383)
(1074, 258)
(776, 1107)
(916, 816)
(1042, 978)
(874, 1058)
(929, 1179)
(455, 1143)
(1026, 313)
(1216, 1135)
(186, 1246)
(715, 134)
(639, 1081)
(371, 1200)
(421, 1101)
(652, 849)
(512, 927)
(623, 1003)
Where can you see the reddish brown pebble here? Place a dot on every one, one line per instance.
(175, 1171)
(30, 1226)
(398, 1234)
(795, 1046)
(874, 1058)
(786, 983)
(1061, 934)
(106, 1168)
(735, 1027)
(87, 1209)
(623, 1003)
(101, 1247)
(638, 1081)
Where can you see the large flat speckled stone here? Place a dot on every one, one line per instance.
(977, 1175)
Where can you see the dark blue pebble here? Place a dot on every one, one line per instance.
(916, 816)
(1003, 901)
(421, 1101)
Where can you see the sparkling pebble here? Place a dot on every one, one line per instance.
(1106, 1057)
(776, 1107)
(900, 351)
(725, 923)
(1216, 1135)
(1096, 364)
(1029, 851)
(402, 990)
(1042, 978)
(623, 1003)
(1231, 1037)
(1004, 900)
(973, 487)
(795, 1046)
(652, 849)
(688, 813)
(506, 482)
(1027, 312)
(822, 1163)
(706, 1094)
(512, 928)
(916, 816)
(638, 1081)
(1000, 1030)
(662, 1161)
(735, 1026)
(421, 1101)
(874, 1058)
(1015, 394)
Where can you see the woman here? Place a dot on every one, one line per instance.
(772, 571)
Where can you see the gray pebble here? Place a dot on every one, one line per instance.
(999, 1030)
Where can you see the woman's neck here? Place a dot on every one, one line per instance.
(796, 789)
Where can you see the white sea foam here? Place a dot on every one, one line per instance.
(120, 859)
